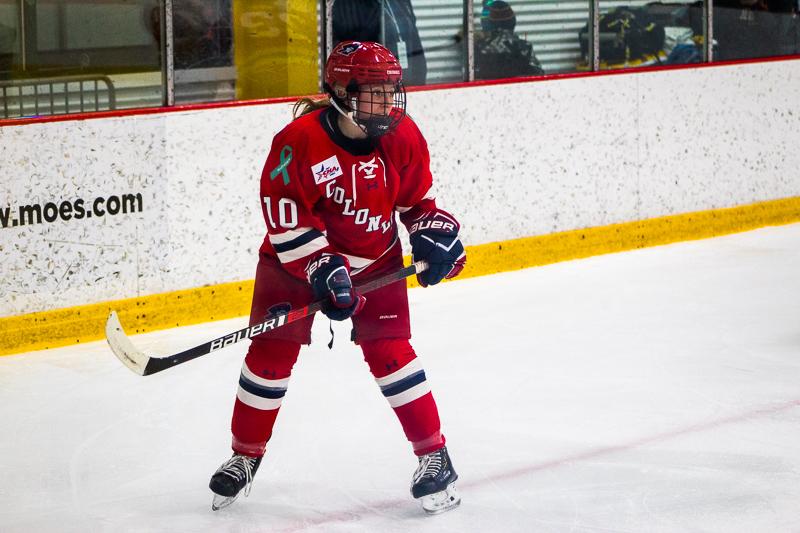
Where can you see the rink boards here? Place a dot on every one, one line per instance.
(158, 215)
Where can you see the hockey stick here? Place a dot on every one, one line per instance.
(144, 365)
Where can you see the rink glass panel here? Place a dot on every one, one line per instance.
(550, 26)
(70, 56)
(203, 50)
(744, 29)
(441, 29)
(9, 37)
(666, 33)
(59, 56)
(276, 47)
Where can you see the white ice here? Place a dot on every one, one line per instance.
(656, 390)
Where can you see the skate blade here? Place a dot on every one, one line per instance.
(442, 501)
(221, 502)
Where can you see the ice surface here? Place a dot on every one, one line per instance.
(655, 390)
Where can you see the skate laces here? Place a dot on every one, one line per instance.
(429, 465)
(240, 467)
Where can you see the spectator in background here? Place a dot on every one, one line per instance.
(8, 42)
(786, 26)
(755, 28)
(499, 52)
(202, 32)
(389, 22)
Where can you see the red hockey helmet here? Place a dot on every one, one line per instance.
(353, 64)
(361, 63)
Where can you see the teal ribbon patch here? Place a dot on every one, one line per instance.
(286, 158)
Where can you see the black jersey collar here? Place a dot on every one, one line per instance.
(330, 123)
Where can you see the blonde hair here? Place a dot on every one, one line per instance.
(306, 105)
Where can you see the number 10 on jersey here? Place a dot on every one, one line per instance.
(287, 213)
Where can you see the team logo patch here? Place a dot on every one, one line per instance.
(349, 49)
(367, 169)
(327, 170)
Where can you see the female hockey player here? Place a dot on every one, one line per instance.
(332, 183)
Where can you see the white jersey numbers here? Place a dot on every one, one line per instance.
(287, 213)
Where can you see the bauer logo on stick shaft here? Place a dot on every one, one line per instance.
(144, 365)
(248, 333)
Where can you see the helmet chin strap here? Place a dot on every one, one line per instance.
(349, 115)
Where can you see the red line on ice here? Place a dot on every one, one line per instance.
(358, 513)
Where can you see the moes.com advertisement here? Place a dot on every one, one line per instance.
(66, 210)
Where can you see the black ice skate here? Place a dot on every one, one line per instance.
(434, 482)
(234, 475)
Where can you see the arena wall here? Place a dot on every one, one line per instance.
(537, 172)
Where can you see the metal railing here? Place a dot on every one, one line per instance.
(56, 96)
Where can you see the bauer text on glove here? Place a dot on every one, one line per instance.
(434, 239)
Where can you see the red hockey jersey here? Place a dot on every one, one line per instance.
(322, 192)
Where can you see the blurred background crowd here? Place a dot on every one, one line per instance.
(64, 56)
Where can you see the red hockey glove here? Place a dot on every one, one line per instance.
(434, 238)
(329, 276)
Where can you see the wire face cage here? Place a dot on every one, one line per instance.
(378, 108)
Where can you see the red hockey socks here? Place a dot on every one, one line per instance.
(398, 372)
(262, 385)
(401, 378)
